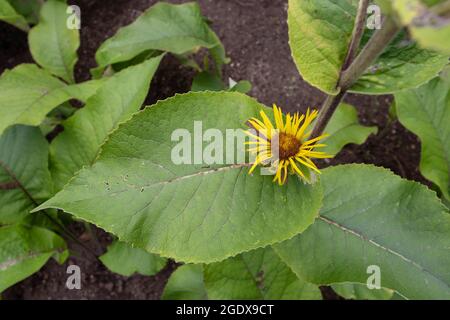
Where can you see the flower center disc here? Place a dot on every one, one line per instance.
(289, 145)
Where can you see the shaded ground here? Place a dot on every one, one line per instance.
(254, 33)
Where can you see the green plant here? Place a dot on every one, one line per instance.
(239, 236)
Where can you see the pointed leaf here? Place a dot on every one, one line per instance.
(52, 44)
(370, 217)
(319, 35)
(84, 133)
(190, 212)
(25, 179)
(426, 112)
(24, 250)
(28, 93)
(178, 29)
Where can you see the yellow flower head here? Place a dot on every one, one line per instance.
(290, 139)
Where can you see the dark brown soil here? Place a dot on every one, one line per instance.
(254, 33)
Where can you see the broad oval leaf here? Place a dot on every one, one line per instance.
(125, 260)
(426, 112)
(319, 35)
(28, 93)
(178, 29)
(190, 212)
(118, 98)
(370, 217)
(25, 180)
(52, 44)
(24, 250)
(186, 283)
(255, 275)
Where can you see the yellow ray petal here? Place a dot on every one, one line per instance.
(306, 143)
(296, 168)
(285, 172)
(319, 155)
(278, 118)
(259, 149)
(304, 162)
(257, 124)
(266, 120)
(259, 159)
(307, 162)
(297, 123)
(265, 142)
(255, 136)
(278, 174)
(288, 125)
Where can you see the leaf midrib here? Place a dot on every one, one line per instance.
(56, 37)
(11, 174)
(380, 246)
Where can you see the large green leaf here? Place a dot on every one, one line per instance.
(392, 71)
(426, 112)
(11, 16)
(372, 217)
(197, 213)
(259, 274)
(359, 291)
(179, 29)
(84, 133)
(24, 250)
(28, 93)
(430, 30)
(25, 179)
(52, 44)
(126, 260)
(186, 283)
(344, 128)
(319, 34)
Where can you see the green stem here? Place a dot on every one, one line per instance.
(326, 112)
(358, 31)
(356, 69)
(369, 53)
